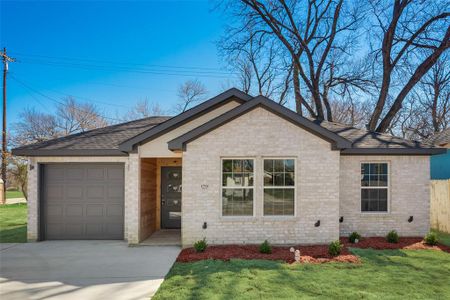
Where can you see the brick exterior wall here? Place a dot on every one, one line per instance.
(131, 223)
(409, 195)
(258, 134)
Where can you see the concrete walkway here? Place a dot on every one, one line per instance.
(82, 270)
(15, 200)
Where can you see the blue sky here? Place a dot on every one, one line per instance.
(112, 52)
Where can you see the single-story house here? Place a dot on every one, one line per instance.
(440, 164)
(233, 169)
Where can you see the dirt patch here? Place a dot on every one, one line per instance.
(380, 243)
(309, 254)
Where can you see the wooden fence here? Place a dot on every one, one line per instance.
(440, 205)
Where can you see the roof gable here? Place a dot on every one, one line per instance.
(336, 141)
(203, 108)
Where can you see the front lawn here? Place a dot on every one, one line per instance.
(14, 194)
(13, 223)
(383, 274)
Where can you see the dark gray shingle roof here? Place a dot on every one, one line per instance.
(107, 138)
(440, 138)
(110, 140)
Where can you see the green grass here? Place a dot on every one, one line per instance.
(443, 238)
(14, 194)
(383, 274)
(13, 223)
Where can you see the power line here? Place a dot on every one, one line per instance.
(56, 100)
(128, 69)
(115, 62)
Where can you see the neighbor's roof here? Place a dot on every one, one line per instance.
(120, 139)
(100, 142)
(440, 138)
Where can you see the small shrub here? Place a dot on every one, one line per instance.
(200, 246)
(353, 237)
(392, 237)
(334, 249)
(431, 239)
(265, 247)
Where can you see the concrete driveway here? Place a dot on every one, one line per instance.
(82, 270)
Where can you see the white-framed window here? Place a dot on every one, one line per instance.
(237, 186)
(279, 186)
(374, 186)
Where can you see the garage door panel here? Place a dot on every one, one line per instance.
(96, 174)
(74, 230)
(56, 174)
(74, 192)
(115, 174)
(114, 210)
(55, 192)
(74, 173)
(74, 210)
(94, 210)
(95, 192)
(85, 202)
(115, 192)
(93, 229)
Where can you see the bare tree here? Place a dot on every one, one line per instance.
(434, 95)
(18, 169)
(189, 93)
(412, 36)
(73, 116)
(426, 111)
(311, 33)
(34, 127)
(70, 117)
(260, 68)
(144, 109)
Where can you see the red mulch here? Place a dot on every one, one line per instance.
(380, 243)
(309, 254)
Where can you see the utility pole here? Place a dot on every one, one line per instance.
(6, 59)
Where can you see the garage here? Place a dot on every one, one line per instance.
(82, 201)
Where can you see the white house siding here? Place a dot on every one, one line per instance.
(258, 134)
(131, 191)
(409, 195)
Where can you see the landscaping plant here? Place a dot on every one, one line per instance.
(200, 246)
(334, 249)
(353, 237)
(392, 237)
(431, 239)
(265, 247)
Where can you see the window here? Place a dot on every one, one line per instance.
(237, 187)
(279, 187)
(374, 187)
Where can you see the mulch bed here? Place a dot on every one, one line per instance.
(380, 243)
(309, 254)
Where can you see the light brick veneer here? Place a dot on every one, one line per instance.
(258, 134)
(131, 191)
(409, 195)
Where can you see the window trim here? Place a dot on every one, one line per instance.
(235, 187)
(263, 158)
(388, 187)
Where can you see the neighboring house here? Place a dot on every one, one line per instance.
(234, 169)
(440, 164)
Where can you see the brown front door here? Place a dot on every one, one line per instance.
(171, 197)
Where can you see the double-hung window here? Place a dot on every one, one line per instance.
(374, 187)
(279, 187)
(237, 187)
